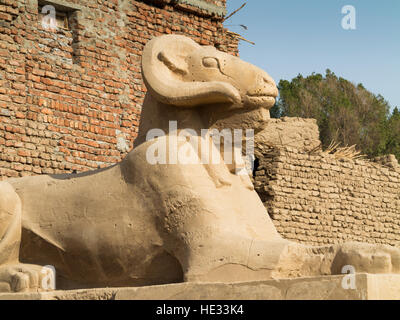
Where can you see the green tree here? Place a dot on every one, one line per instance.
(346, 113)
(393, 134)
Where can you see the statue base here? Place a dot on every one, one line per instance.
(362, 287)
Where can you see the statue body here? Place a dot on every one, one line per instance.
(138, 223)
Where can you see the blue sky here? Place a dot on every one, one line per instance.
(306, 36)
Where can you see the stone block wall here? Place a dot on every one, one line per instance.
(315, 198)
(299, 133)
(71, 99)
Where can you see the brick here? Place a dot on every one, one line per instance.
(57, 88)
(324, 201)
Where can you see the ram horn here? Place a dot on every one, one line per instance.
(164, 67)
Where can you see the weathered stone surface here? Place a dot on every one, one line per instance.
(368, 287)
(302, 134)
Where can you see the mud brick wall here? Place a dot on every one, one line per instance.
(314, 198)
(71, 99)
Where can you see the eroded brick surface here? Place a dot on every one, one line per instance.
(71, 99)
(316, 198)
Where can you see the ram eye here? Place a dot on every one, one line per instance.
(210, 63)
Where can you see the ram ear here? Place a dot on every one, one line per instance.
(164, 67)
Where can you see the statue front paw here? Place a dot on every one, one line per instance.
(26, 278)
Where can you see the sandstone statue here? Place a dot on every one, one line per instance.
(138, 223)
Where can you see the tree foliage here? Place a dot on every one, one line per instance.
(345, 113)
(393, 134)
